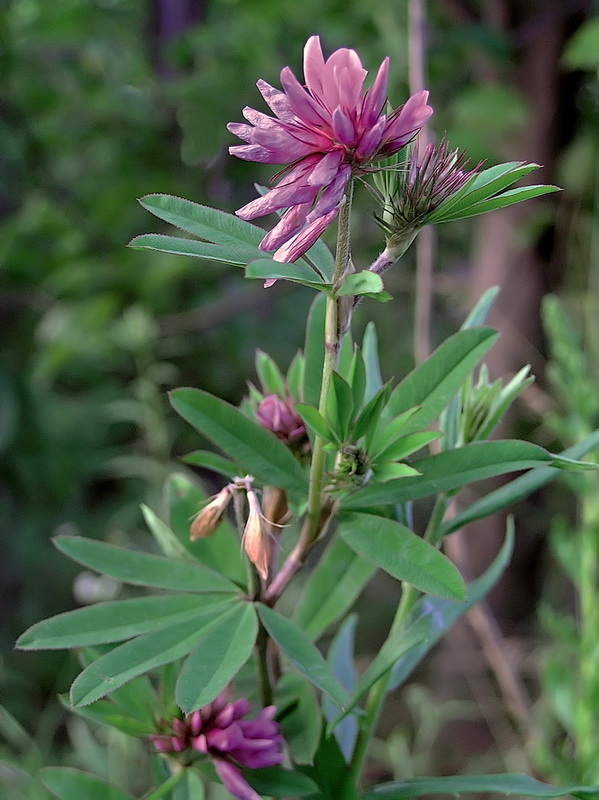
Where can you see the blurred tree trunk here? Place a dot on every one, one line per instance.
(537, 31)
(171, 18)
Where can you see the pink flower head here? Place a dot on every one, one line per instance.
(327, 131)
(280, 417)
(220, 731)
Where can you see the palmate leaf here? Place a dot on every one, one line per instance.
(332, 587)
(217, 659)
(479, 784)
(298, 714)
(145, 653)
(259, 452)
(432, 384)
(236, 255)
(451, 470)
(144, 569)
(73, 784)
(509, 198)
(103, 623)
(517, 489)
(405, 556)
(298, 648)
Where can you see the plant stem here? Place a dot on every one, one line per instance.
(166, 786)
(263, 668)
(313, 522)
(376, 696)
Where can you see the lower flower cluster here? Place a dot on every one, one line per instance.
(220, 731)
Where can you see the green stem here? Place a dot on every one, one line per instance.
(313, 521)
(262, 667)
(166, 786)
(376, 696)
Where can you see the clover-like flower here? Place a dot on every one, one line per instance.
(280, 417)
(328, 131)
(220, 731)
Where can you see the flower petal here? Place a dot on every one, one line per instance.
(233, 779)
(313, 66)
(303, 241)
(280, 197)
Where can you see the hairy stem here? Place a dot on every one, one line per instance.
(313, 521)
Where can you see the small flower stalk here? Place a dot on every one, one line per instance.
(221, 732)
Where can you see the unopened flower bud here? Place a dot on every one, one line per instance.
(257, 540)
(210, 517)
(280, 417)
(275, 506)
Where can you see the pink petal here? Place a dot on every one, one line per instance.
(234, 781)
(331, 197)
(375, 97)
(255, 152)
(343, 79)
(370, 141)
(301, 102)
(313, 66)
(411, 117)
(277, 102)
(343, 127)
(281, 197)
(324, 172)
(304, 240)
(291, 222)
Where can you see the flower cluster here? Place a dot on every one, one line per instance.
(328, 131)
(220, 731)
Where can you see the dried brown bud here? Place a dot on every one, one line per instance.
(276, 508)
(257, 540)
(210, 517)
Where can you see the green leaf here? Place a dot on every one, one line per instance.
(209, 460)
(321, 257)
(393, 649)
(452, 470)
(480, 312)
(331, 773)
(406, 445)
(340, 407)
(204, 222)
(332, 588)
(390, 470)
(73, 784)
(356, 377)
(359, 283)
(143, 569)
(341, 659)
(115, 621)
(368, 419)
(370, 353)
(295, 377)
(299, 716)
(401, 553)
(164, 537)
(432, 384)
(257, 450)
(236, 255)
(316, 422)
(432, 616)
(279, 782)
(582, 48)
(143, 654)
(105, 712)
(517, 489)
(480, 784)
(267, 269)
(298, 648)
(270, 376)
(504, 200)
(220, 551)
(314, 351)
(218, 658)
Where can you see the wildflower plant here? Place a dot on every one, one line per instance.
(327, 453)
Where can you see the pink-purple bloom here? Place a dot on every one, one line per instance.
(220, 731)
(280, 417)
(327, 131)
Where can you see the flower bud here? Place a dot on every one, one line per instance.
(276, 508)
(280, 417)
(210, 517)
(257, 540)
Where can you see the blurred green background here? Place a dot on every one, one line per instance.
(103, 101)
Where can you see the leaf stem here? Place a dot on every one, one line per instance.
(166, 786)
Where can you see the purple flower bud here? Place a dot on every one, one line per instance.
(228, 739)
(280, 417)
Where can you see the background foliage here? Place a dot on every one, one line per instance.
(102, 102)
